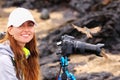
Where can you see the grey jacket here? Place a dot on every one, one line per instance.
(7, 69)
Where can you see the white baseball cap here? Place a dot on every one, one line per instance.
(18, 16)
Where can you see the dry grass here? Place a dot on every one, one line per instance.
(97, 64)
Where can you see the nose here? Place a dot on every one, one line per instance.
(26, 28)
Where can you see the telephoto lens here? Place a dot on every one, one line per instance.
(70, 45)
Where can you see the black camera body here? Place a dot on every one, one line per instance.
(70, 45)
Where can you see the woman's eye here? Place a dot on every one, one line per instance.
(31, 24)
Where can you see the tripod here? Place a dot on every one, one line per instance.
(70, 45)
(64, 74)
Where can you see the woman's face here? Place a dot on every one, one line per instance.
(24, 33)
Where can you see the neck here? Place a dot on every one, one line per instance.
(21, 44)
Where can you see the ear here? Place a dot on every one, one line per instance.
(10, 30)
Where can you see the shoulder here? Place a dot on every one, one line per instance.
(5, 49)
(5, 60)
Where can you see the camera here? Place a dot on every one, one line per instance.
(69, 45)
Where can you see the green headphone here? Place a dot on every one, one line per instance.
(27, 52)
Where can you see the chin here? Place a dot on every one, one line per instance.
(26, 42)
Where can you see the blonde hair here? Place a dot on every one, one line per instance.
(28, 69)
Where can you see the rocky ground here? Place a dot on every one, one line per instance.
(84, 67)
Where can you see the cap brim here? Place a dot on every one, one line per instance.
(18, 24)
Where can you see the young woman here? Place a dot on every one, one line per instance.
(18, 52)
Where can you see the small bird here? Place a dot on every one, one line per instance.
(106, 2)
(88, 31)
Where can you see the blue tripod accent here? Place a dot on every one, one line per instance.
(65, 74)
